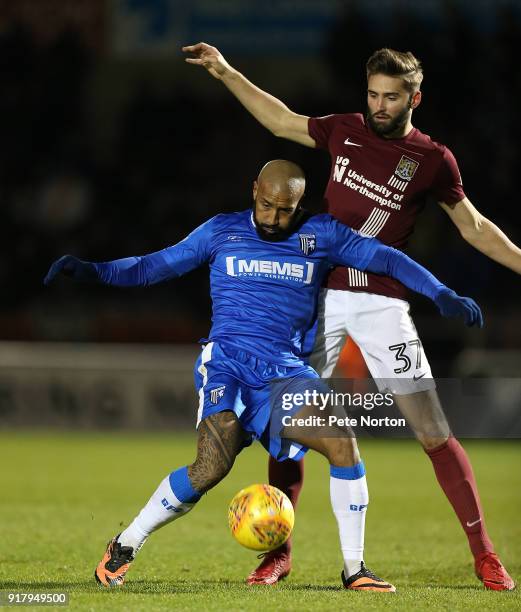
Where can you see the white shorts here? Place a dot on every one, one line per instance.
(385, 333)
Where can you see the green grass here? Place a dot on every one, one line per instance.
(64, 495)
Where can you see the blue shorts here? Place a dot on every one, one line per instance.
(231, 379)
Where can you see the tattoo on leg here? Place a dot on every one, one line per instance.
(218, 435)
(219, 441)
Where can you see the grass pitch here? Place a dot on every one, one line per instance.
(64, 495)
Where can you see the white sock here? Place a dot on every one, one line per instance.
(349, 499)
(162, 508)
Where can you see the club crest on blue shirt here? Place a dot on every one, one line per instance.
(216, 394)
(308, 243)
(406, 168)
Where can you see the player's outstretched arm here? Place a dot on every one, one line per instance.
(394, 263)
(268, 110)
(141, 271)
(347, 248)
(483, 235)
(128, 272)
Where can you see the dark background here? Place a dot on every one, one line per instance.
(113, 146)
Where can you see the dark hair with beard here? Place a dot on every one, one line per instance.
(397, 64)
(394, 126)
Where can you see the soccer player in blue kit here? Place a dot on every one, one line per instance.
(266, 270)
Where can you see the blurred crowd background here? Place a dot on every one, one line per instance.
(113, 146)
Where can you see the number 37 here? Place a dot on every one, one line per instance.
(403, 358)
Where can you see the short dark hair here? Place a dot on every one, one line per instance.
(397, 64)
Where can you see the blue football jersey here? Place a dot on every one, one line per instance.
(264, 293)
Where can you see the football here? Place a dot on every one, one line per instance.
(261, 517)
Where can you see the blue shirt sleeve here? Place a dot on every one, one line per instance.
(396, 264)
(347, 248)
(163, 265)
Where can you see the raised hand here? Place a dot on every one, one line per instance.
(209, 57)
(451, 304)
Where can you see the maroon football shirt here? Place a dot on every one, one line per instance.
(378, 186)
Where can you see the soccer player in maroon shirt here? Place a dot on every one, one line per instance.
(382, 170)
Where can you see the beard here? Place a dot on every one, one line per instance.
(394, 126)
(272, 236)
(277, 235)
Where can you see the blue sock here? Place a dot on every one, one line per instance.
(182, 487)
(353, 472)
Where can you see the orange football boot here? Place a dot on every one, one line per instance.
(365, 580)
(116, 561)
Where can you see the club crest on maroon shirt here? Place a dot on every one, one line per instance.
(406, 168)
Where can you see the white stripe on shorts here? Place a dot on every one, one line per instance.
(205, 357)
